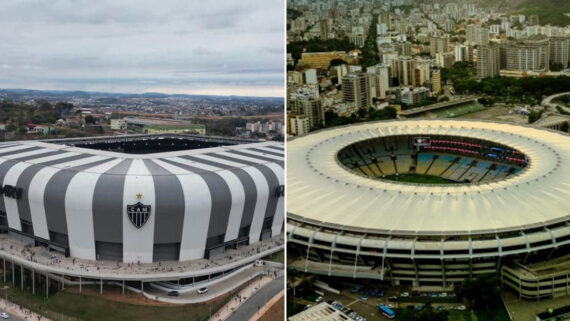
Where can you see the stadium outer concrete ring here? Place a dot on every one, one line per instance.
(393, 231)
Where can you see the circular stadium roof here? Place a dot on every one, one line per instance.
(323, 192)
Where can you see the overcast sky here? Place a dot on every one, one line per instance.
(219, 47)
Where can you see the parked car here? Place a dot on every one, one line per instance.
(405, 294)
(319, 299)
(202, 290)
(4, 315)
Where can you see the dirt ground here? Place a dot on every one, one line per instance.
(275, 313)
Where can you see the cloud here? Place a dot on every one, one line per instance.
(131, 44)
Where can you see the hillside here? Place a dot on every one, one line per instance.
(548, 11)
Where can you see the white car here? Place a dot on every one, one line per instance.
(461, 308)
(319, 299)
(202, 290)
(4, 315)
(405, 294)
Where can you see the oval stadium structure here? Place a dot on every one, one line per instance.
(202, 206)
(432, 202)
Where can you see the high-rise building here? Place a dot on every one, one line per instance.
(419, 76)
(559, 50)
(533, 20)
(356, 89)
(488, 61)
(298, 125)
(377, 89)
(294, 77)
(449, 25)
(381, 29)
(382, 71)
(341, 71)
(324, 25)
(357, 36)
(386, 19)
(404, 48)
(436, 81)
(437, 45)
(461, 53)
(311, 77)
(445, 60)
(532, 54)
(402, 69)
(414, 96)
(477, 35)
(310, 107)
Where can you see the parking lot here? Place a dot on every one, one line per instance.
(363, 301)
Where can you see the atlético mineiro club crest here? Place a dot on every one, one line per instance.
(138, 214)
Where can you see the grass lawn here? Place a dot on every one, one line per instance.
(88, 307)
(418, 178)
(293, 309)
(497, 314)
(459, 316)
(459, 110)
(69, 306)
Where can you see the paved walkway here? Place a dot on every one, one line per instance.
(241, 297)
(20, 314)
(251, 306)
(52, 262)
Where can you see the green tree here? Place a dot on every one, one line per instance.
(89, 119)
(556, 66)
(534, 116)
(482, 292)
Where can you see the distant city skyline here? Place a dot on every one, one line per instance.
(171, 47)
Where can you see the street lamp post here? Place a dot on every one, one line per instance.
(5, 288)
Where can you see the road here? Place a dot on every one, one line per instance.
(14, 317)
(214, 290)
(548, 101)
(456, 101)
(258, 300)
